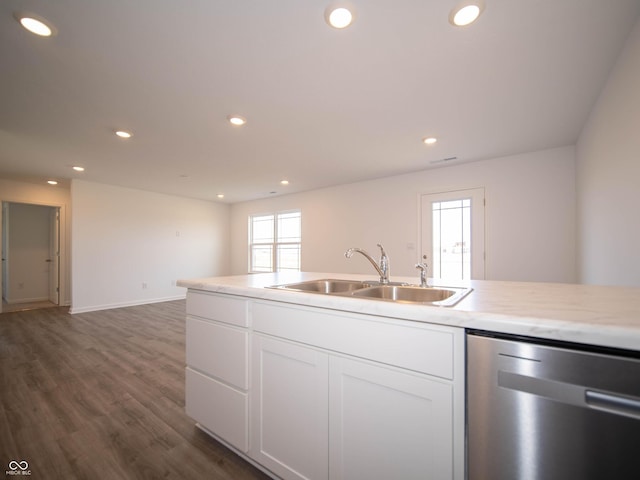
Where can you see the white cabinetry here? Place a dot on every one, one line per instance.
(395, 396)
(386, 423)
(312, 393)
(289, 408)
(217, 342)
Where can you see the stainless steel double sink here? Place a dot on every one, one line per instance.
(392, 292)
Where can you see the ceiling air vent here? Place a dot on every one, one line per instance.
(442, 160)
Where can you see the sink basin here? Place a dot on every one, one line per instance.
(392, 292)
(444, 296)
(326, 286)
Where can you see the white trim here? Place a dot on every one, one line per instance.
(18, 301)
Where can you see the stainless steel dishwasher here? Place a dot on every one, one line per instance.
(551, 411)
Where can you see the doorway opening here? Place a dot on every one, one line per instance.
(30, 256)
(452, 231)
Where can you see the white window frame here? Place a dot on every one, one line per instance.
(275, 243)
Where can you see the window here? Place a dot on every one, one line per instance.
(451, 239)
(274, 242)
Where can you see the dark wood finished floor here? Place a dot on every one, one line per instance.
(101, 396)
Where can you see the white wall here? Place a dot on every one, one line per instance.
(28, 239)
(530, 218)
(55, 196)
(123, 238)
(608, 177)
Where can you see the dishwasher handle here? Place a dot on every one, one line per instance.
(613, 403)
(571, 394)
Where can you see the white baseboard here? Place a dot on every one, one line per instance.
(95, 308)
(14, 301)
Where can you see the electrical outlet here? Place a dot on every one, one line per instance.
(144, 285)
(20, 286)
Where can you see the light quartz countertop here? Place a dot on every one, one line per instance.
(594, 315)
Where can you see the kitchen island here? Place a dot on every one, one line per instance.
(307, 385)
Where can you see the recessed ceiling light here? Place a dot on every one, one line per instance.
(466, 13)
(124, 134)
(35, 24)
(284, 182)
(429, 140)
(339, 16)
(52, 182)
(236, 120)
(220, 195)
(78, 169)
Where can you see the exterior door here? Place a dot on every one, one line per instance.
(452, 231)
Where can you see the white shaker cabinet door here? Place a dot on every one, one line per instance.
(385, 423)
(289, 408)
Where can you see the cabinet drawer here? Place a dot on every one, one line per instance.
(218, 350)
(420, 347)
(217, 307)
(219, 408)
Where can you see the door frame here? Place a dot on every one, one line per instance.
(4, 240)
(63, 263)
(54, 255)
(476, 273)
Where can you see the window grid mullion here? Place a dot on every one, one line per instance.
(276, 220)
(275, 244)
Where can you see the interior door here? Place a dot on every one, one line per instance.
(54, 256)
(4, 239)
(452, 231)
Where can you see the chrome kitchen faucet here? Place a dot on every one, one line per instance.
(382, 268)
(423, 272)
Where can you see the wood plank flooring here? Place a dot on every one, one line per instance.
(100, 396)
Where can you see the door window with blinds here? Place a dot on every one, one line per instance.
(275, 242)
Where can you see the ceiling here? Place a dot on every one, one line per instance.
(324, 106)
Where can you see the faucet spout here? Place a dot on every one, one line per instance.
(423, 274)
(382, 268)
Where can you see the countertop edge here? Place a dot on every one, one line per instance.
(593, 323)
